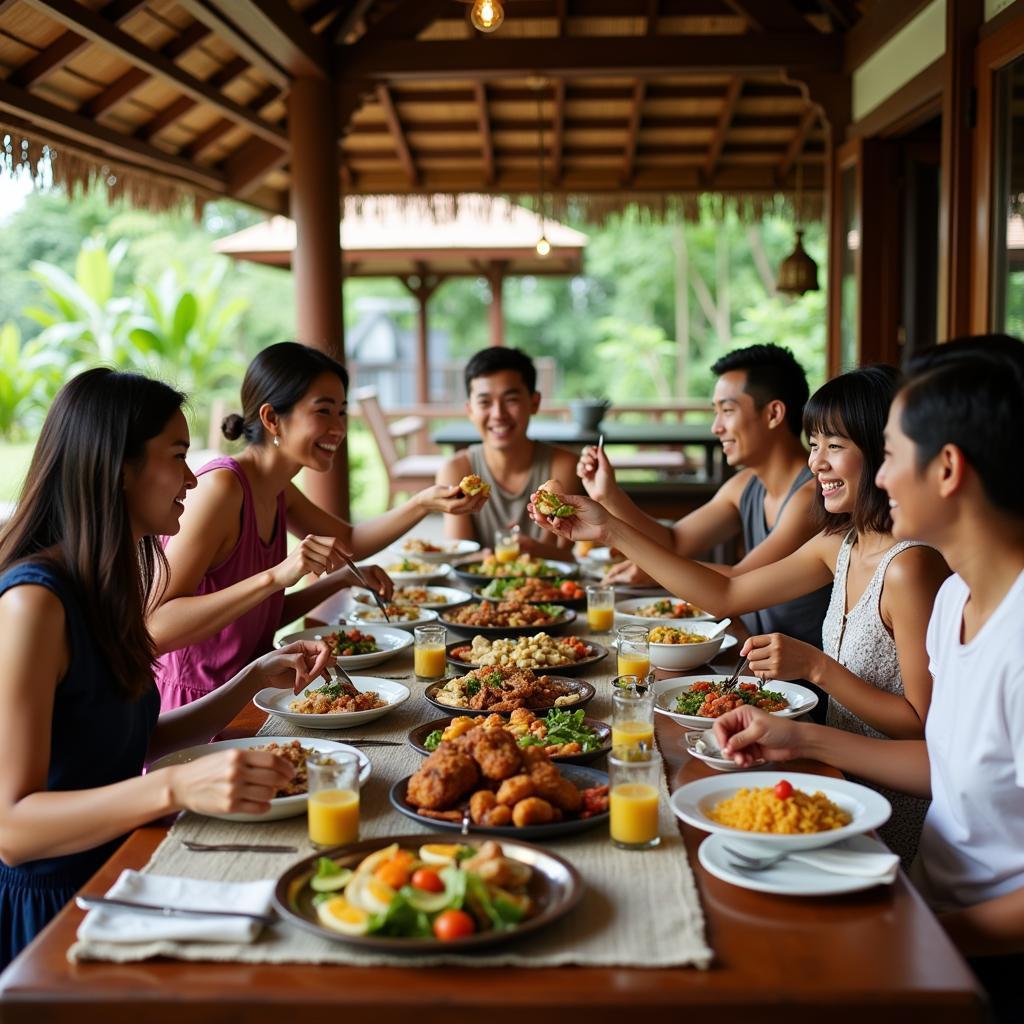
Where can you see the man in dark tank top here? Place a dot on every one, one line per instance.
(501, 396)
(758, 402)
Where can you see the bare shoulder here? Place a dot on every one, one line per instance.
(733, 488)
(453, 469)
(31, 608)
(915, 569)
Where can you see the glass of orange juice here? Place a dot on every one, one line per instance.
(506, 544)
(634, 651)
(428, 654)
(634, 782)
(333, 802)
(600, 608)
(632, 719)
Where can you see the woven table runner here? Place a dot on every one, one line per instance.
(639, 909)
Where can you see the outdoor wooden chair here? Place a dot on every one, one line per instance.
(406, 473)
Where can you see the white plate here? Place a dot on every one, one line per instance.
(867, 808)
(684, 657)
(449, 549)
(390, 640)
(626, 611)
(283, 806)
(373, 616)
(446, 597)
(789, 877)
(277, 702)
(603, 556)
(432, 572)
(801, 700)
(704, 747)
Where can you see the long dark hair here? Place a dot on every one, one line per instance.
(279, 377)
(855, 405)
(72, 513)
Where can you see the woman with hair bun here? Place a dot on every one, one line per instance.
(229, 565)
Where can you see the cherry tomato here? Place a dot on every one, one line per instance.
(450, 925)
(783, 789)
(568, 588)
(428, 880)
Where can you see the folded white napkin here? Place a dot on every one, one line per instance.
(124, 925)
(860, 856)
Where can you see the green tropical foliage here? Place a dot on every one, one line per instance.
(30, 374)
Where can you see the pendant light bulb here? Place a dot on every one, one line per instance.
(543, 246)
(487, 15)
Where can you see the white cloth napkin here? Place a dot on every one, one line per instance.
(860, 856)
(124, 925)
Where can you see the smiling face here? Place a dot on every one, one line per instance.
(742, 429)
(912, 499)
(500, 407)
(311, 433)
(837, 463)
(155, 485)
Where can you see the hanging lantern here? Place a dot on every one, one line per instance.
(543, 246)
(487, 15)
(798, 273)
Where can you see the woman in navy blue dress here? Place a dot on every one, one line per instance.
(79, 565)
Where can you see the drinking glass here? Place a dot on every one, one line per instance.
(600, 608)
(632, 719)
(634, 652)
(506, 544)
(333, 803)
(428, 652)
(634, 783)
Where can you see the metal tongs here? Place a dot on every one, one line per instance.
(733, 680)
(362, 579)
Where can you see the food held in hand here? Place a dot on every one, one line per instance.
(506, 614)
(336, 698)
(472, 485)
(764, 810)
(294, 753)
(503, 690)
(537, 651)
(706, 699)
(551, 505)
(348, 643)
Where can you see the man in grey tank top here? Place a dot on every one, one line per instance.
(501, 396)
(758, 402)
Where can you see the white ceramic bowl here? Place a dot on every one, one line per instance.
(431, 571)
(868, 809)
(449, 549)
(373, 616)
(680, 657)
(283, 806)
(278, 702)
(704, 747)
(390, 640)
(801, 700)
(626, 612)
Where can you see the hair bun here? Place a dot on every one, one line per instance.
(231, 426)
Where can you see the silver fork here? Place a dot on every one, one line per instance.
(337, 668)
(362, 579)
(730, 683)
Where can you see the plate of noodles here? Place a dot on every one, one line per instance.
(780, 809)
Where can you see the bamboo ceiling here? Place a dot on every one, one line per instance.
(624, 98)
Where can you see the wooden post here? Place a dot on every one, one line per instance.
(421, 287)
(496, 279)
(316, 210)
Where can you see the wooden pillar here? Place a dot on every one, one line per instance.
(316, 265)
(422, 287)
(496, 280)
(956, 205)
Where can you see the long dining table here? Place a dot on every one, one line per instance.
(876, 956)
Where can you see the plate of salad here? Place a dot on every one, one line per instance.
(425, 893)
(567, 736)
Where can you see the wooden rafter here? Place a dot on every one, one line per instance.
(347, 18)
(407, 20)
(486, 139)
(629, 56)
(769, 15)
(397, 134)
(652, 17)
(695, 151)
(796, 144)
(731, 98)
(610, 92)
(183, 104)
(246, 168)
(633, 131)
(205, 139)
(76, 130)
(99, 30)
(558, 132)
(562, 17)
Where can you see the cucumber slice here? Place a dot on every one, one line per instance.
(330, 883)
(428, 902)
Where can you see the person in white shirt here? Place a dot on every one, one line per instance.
(955, 478)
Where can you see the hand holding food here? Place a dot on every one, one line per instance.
(471, 485)
(587, 520)
(749, 735)
(776, 656)
(312, 555)
(295, 665)
(455, 501)
(550, 504)
(232, 782)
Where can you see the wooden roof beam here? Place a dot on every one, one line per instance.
(398, 135)
(407, 20)
(626, 56)
(278, 30)
(731, 98)
(770, 15)
(246, 168)
(205, 139)
(349, 15)
(183, 104)
(633, 131)
(486, 139)
(76, 130)
(652, 17)
(99, 30)
(562, 17)
(797, 143)
(558, 133)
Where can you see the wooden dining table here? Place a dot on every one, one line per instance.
(873, 957)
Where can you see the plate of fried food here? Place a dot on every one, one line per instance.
(504, 787)
(404, 616)
(535, 591)
(499, 690)
(566, 736)
(426, 894)
(357, 647)
(288, 801)
(507, 618)
(336, 704)
(436, 551)
(523, 567)
(433, 598)
(569, 654)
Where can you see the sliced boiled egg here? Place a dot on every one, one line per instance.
(368, 864)
(440, 853)
(340, 916)
(369, 893)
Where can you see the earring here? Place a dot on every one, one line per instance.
(277, 441)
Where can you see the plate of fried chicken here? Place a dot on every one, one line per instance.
(506, 789)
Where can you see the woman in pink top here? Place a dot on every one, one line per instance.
(228, 566)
